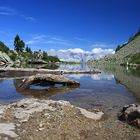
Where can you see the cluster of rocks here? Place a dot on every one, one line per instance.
(130, 114)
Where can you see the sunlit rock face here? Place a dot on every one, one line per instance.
(5, 59)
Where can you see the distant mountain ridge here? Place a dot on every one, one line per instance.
(79, 55)
(71, 56)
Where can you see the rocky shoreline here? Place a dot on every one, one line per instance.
(33, 119)
(29, 118)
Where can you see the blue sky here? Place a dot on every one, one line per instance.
(69, 24)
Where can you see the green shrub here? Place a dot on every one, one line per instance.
(3, 47)
(135, 59)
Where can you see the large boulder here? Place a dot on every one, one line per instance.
(130, 114)
(5, 60)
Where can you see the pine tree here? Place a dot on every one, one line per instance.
(19, 44)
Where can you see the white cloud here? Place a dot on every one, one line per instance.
(99, 52)
(36, 39)
(6, 11)
(47, 39)
(102, 51)
(101, 45)
(73, 53)
(28, 18)
(82, 39)
(76, 50)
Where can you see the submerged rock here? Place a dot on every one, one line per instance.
(130, 114)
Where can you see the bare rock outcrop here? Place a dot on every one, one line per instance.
(5, 60)
(34, 116)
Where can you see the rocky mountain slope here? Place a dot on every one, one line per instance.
(128, 51)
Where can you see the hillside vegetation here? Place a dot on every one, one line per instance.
(23, 54)
(125, 53)
(129, 52)
(3, 47)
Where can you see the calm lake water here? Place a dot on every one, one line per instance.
(111, 89)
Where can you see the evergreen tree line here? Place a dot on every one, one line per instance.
(25, 51)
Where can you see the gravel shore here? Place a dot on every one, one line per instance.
(34, 119)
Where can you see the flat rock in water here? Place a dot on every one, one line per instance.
(95, 116)
(47, 78)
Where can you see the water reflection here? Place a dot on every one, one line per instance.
(100, 76)
(99, 90)
(105, 90)
(39, 66)
(42, 90)
(130, 78)
(74, 67)
(8, 92)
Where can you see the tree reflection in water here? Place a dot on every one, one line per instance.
(127, 77)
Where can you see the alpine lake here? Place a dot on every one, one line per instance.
(109, 90)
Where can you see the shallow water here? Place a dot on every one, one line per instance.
(99, 91)
(111, 89)
(8, 92)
